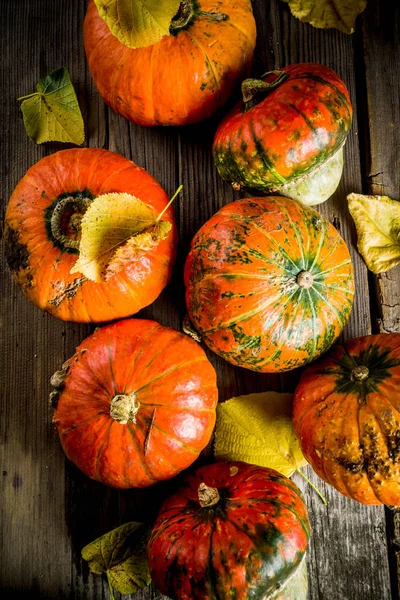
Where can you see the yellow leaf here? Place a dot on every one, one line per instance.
(121, 555)
(377, 220)
(110, 221)
(52, 113)
(258, 429)
(138, 23)
(328, 13)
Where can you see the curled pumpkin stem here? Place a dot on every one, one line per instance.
(251, 88)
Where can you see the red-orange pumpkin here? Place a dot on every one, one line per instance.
(269, 283)
(183, 78)
(136, 403)
(347, 417)
(41, 258)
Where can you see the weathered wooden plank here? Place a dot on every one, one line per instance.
(381, 25)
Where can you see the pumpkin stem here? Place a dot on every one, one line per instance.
(190, 330)
(360, 373)
(65, 221)
(208, 496)
(305, 279)
(187, 11)
(124, 408)
(253, 88)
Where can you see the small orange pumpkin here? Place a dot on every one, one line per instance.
(183, 78)
(136, 403)
(42, 250)
(346, 415)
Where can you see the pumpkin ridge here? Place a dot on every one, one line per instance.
(314, 322)
(333, 309)
(335, 245)
(346, 262)
(208, 63)
(171, 370)
(266, 234)
(161, 430)
(287, 506)
(265, 160)
(101, 449)
(374, 487)
(138, 353)
(307, 122)
(318, 79)
(139, 452)
(295, 229)
(110, 363)
(85, 422)
(163, 349)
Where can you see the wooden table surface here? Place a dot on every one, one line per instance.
(49, 510)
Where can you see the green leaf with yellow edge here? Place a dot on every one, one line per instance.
(258, 429)
(52, 113)
(116, 229)
(325, 14)
(377, 220)
(138, 23)
(121, 555)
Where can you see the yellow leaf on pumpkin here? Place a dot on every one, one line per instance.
(258, 429)
(377, 220)
(116, 229)
(138, 23)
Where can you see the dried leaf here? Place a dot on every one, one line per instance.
(328, 13)
(121, 555)
(258, 429)
(138, 23)
(377, 220)
(52, 114)
(109, 222)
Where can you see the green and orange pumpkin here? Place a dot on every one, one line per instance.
(183, 78)
(287, 134)
(42, 233)
(135, 404)
(346, 415)
(269, 283)
(232, 530)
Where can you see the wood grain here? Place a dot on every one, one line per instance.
(49, 510)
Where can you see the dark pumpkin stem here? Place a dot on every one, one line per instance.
(124, 408)
(188, 10)
(190, 330)
(360, 373)
(254, 90)
(208, 496)
(305, 279)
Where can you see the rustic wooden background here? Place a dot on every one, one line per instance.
(49, 510)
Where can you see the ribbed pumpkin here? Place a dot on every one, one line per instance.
(347, 417)
(183, 78)
(232, 530)
(42, 235)
(287, 134)
(269, 283)
(135, 404)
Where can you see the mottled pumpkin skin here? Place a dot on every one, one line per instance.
(287, 134)
(349, 430)
(181, 79)
(42, 267)
(244, 547)
(172, 380)
(241, 283)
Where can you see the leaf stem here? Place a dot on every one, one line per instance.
(313, 486)
(178, 191)
(110, 587)
(28, 96)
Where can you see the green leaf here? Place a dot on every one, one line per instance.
(138, 23)
(377, 220)
(52, 114)
(121, 555)
(328, 13)
(258, 429)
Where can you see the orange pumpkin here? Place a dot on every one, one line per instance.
(136, 403)
(42, 249)
(183, 78)
(347, 417)
(269, 283)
